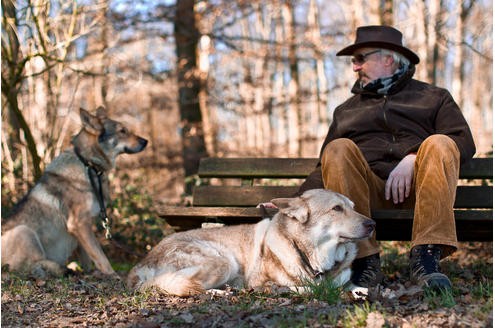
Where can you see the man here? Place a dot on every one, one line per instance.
(396, 143)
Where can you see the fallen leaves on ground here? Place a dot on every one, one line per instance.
(92, 300)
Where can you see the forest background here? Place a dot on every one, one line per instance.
(213, 78)
(228, 78)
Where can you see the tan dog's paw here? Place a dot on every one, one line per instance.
(357, 292)
(219, 292)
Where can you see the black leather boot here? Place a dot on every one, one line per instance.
(425, 269)
(366, 271)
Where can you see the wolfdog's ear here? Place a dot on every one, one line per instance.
(101, 112)
(90, 122)
(293, 207)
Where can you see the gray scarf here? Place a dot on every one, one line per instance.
(382, 85)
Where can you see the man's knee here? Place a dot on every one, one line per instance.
(440, 144)
(339, 149)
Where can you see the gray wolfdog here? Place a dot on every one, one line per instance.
(311, 236)
(56, 217)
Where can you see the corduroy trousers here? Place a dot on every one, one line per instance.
(436, 172)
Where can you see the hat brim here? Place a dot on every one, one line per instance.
(349, 51)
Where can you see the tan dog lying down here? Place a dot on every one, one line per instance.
(310, 236)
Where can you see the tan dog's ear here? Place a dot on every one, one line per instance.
(293, 207)
(281, 202)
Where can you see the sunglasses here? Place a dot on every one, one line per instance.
(361, 58)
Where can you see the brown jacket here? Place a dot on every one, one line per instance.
(387, 128)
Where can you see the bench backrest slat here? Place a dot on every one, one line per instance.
(467, 196)
(477, 168)
(256, 167)
(252, 168)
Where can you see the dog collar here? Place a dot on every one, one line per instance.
(305, 262)
(95, 174)
(87, 163)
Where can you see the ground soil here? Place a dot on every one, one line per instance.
(89, 300)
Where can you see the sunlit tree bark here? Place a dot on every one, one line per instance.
(294, 87)
(187, 37)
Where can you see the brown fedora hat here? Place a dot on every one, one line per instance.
(379, 36)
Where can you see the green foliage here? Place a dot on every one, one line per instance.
(122, 266)
(135, 227)
(439, 298)
(394, 256)
(323, 290)
(289, 319)
(482, 268)
(356, 317)
(17, 286)
(135, 299)
(483, 289)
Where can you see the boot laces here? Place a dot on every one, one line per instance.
(425, 260)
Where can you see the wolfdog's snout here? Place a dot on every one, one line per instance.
(140, 145)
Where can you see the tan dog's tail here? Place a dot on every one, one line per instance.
(180, 283)
(176, 284)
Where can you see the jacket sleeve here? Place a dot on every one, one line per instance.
(451, 122)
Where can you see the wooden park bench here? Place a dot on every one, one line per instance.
(234, 186)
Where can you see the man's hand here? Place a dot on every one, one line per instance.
(264, 206)
(267, 205)
(400, 180)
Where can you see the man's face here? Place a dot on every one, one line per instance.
(371, 64)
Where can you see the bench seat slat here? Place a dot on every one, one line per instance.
(467, 196)
(253, 212)
(470, 224)
(252, 168)
(218, 212)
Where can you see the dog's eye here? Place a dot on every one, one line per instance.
(123, 131)
(338, 208)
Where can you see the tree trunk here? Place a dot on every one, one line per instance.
(209, 119)
(186, 40)
(387, 12)
(420, 33)
(294, 105)
(12, 71)
(281, 134)
(459, 56)
(432, 22)
(463, 11)
(321, 120)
